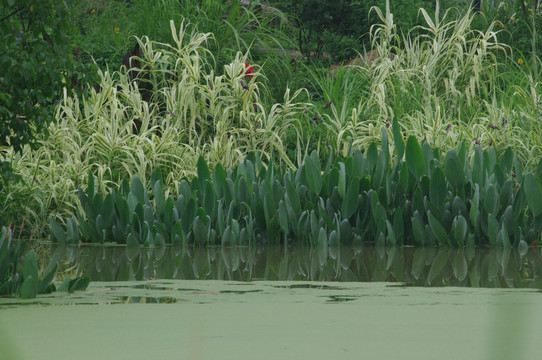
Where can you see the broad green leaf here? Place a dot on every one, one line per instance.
(80, 283)
(379, 213)
(478, 170)
(459, 230)
(474, 213)
(159, 199)
(437, 188)
(438, 229)
(350, 203)
(491, 200)
(508, 159)
(292, 197)
(453, 170)
(398, 225)
(507, 193)
(228, 237)
(502, 238)
(243, 193)
(57, 232)
(372, 155)
(108, 208)
(341, 186)
(533, 193)
(201, 228)
(391, 234)
(63, 287)
(313, 175)
(283, 216)
(203, 172)
(219, 179)
(187, 216)
(28, 290)
(492, 229)
(169, 212)
(345, 232)
(269, 206)
(137, 188)
(380, 169)
(47, 279)
(414, 157)
(209, 198)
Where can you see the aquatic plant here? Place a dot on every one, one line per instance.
(24, 281)
(446, 83)
(422, 198)
(186, 111)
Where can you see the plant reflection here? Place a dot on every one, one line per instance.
(412, 266)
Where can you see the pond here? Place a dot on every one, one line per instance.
(288, 303)
(473, 267)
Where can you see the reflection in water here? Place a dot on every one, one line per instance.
(412, 266)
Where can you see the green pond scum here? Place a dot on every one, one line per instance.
(214, 319)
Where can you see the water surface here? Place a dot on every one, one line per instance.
(498, 268)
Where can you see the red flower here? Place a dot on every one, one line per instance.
(248, 70)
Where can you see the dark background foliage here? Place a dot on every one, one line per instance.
(340, 28)
(36, 62)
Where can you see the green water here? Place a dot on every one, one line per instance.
(276, 303)
(274, 320)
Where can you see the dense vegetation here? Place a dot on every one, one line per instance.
(210, 82)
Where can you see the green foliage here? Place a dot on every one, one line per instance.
(16, 281)
(519, 23)
(187, 110)
(339, 28)
(40, 62)
(453, 202)
(24, 280)
(37, 62)
(108, 31)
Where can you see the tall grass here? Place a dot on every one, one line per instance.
(447, 83)
(192, 111)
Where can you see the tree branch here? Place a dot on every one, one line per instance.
(10, 15)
